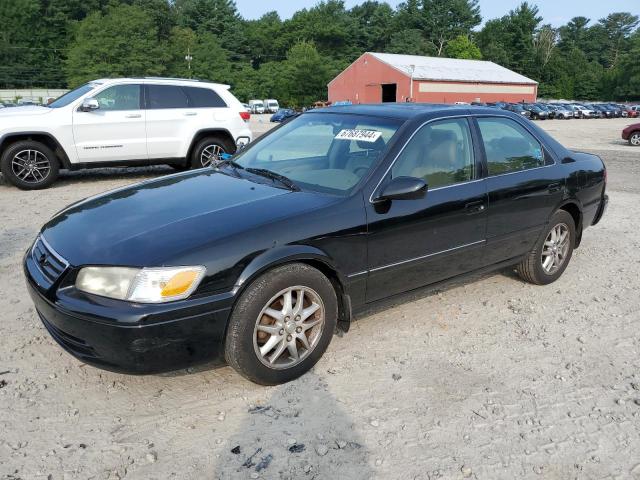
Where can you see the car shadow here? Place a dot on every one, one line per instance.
(68, 177)
(299, 430)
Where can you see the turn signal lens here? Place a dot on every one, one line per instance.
(179, 283)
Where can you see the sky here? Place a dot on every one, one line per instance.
(556, 12)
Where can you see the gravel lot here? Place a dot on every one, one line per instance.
(492, 378)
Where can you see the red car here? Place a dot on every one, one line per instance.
(633, 111)
(632, 134)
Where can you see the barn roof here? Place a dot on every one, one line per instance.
(451, 69)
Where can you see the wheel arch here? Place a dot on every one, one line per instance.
(42, 137)
(573, 208)
(208, 132)
(308, 255)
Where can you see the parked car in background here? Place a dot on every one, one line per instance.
(282, 114)
(586, 112)
(631, 133)
(561, 112)
(256, 106)
(600, 111)
(271, 106)
(551, 113)
(127, 121)
(261, 259)
(518, 108)
(573, 109)
(9, 104)
(535, 112)
(633, 111)
(246, 107)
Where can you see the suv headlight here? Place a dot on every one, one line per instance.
(143, 285)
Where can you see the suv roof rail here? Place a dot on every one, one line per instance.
(174, 78)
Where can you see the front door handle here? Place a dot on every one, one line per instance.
(190, 114)
(475, 207)
(133, 115)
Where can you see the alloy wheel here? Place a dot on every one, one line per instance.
(289, 327)
(31, 166)
(635, 139)
(211, 154)
(555, 248)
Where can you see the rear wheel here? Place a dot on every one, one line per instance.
(551, 255)
(634, 139)
(30, 165)
(282, 324)
(210, 150)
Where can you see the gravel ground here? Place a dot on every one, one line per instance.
(490, 378)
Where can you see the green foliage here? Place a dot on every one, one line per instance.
(294, 59)
(463, 47)
(121, 42)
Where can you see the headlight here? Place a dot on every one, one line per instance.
(146, 285)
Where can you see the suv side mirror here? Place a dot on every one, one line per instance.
(404, 188)
(89, 104)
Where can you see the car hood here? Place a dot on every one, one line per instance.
(24, 111)
(154, 223)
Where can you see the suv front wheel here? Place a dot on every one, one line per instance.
(210, 150)
(29, 165)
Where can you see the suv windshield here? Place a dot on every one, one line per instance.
(323, 152)
(73, 95)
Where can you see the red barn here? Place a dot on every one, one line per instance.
(386, 77)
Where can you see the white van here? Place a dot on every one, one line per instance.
(256, 106)
(271, 106)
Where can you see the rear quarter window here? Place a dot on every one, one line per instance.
(204, 98)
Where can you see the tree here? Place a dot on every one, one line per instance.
(445, 20)
(122, 42)
(410, 42)
(463, 47)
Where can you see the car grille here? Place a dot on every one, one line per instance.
(74, 345)
(50, 264)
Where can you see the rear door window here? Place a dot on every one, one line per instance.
(508, 146)
(166, 96)
(204, 98)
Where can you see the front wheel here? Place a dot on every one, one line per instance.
(30, 165)
(550, 256)
(210, 151)
(282, 324)
(634, 139)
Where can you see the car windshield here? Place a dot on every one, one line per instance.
(322, 152)
(73, 95)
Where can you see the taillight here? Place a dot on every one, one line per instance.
(246, 116)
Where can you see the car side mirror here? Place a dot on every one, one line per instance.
(404, 188)
(89, 104)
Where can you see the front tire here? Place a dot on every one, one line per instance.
(210, 150)
(282, 324)
(30, 165)
(551, 255)
(634, 139)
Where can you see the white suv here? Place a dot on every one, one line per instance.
(116, 122)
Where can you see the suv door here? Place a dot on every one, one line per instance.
(523, 187)
(170, 121)
(116, 130)
(417, 242)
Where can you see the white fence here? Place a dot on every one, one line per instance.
(34, 94)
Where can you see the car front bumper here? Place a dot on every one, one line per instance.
(131, 338)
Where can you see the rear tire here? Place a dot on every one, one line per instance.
(208, 151)
(552, 253)
(634, 139)
(30, 165)
(264, 341)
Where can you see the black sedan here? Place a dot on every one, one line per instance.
(260, 259)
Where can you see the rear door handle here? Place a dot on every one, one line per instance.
(475, 207)
(554, 187)
(190, 114)
(133, 115)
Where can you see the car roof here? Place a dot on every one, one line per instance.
(159, 80)
(402, 111)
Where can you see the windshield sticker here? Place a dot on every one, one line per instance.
(360, 135)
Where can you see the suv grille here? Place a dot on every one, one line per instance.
(48, 261)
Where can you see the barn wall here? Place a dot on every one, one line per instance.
(361, 83)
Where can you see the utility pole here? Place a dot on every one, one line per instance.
(188, 58)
